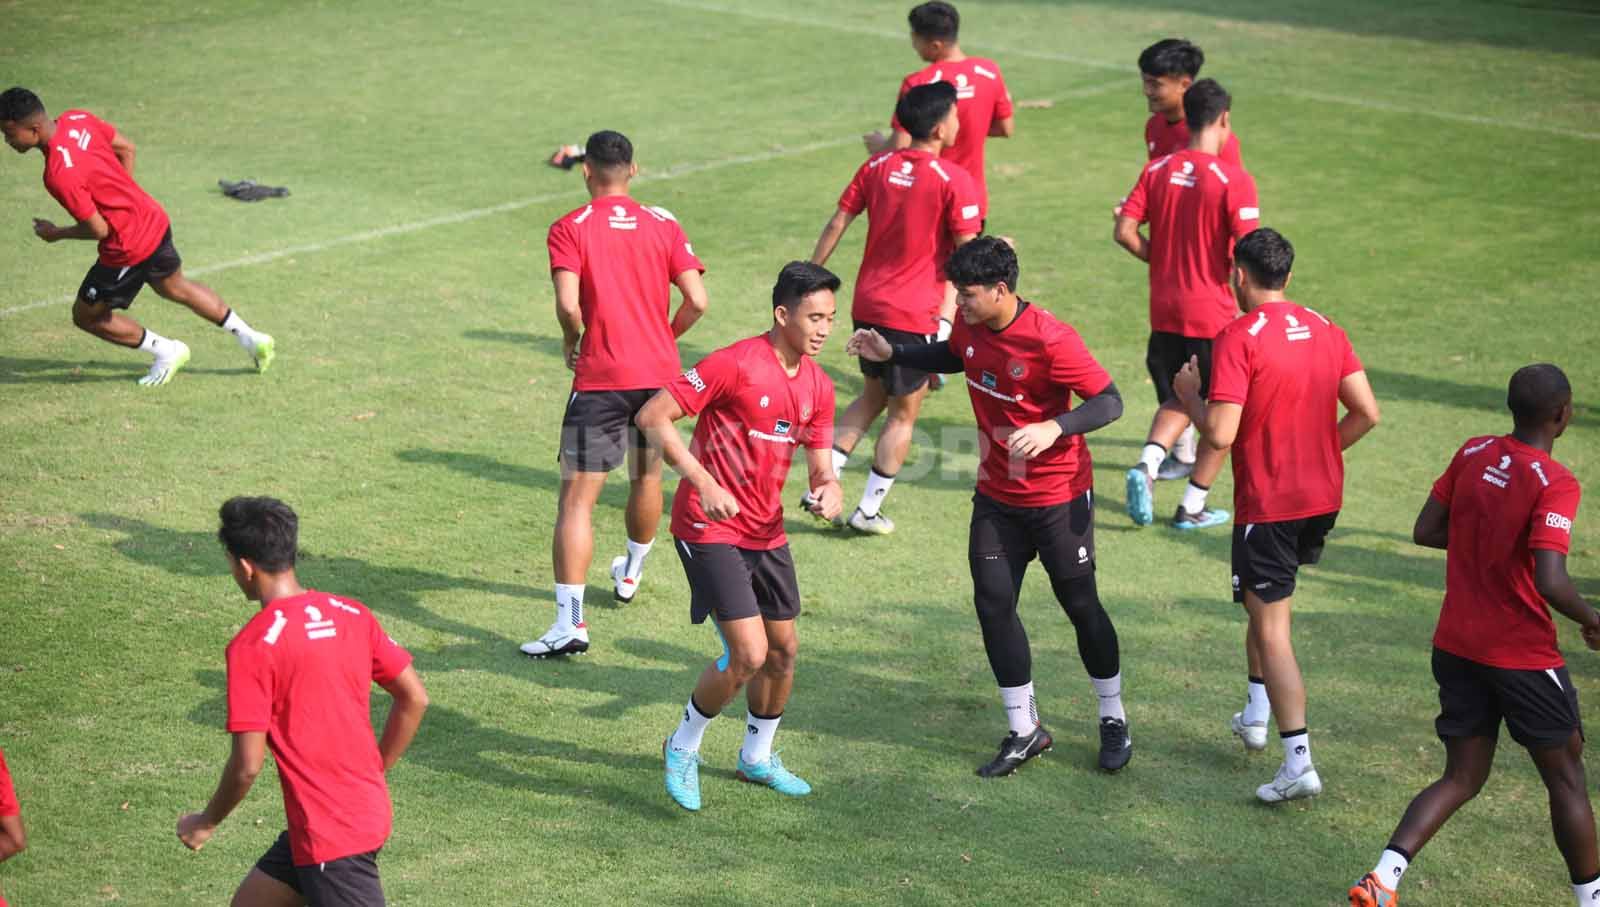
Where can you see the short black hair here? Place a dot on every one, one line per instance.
(1536, 394)
(263, 531)
(1204, 103)
(800, 279)
(18, 104)
(923, 108)
(608, 150)
(1267, 255)
(935, 21)
(1172, 57)
(985, 261)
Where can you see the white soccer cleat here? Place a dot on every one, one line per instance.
(1282, 788)
(1252, 734)
(624, 587)
(559, 640)
(174, 356)
(877, 524)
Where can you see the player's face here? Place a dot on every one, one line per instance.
(22, 137)
(811, 322)
(1164, 94)
(977, 303)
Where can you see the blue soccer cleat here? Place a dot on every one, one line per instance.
(1141, 496)
(1205, 519)
(774, 775)
(682, 775)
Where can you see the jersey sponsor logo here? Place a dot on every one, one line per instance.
(661, 213)
(984, 72)
(1498, 476)
(1249, 213)
(1296, 330)
(1538, 470)
(879, 159)
(968, 212)
(587, 210)
(276, 630)
(781, 427)
(989, 380)
(1469, 451)
(1218, 171)
(317, 627)
(695, 381)
(904, 177)
(1555, 520)
(1184, 178)
(991, 391)
(774, 438)
(1261, 322)
(688, 248)
(934, 165)
(620, 219)
(964, 89)
(81, 136)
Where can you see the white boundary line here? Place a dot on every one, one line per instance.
(1347, 101)
(671, 173)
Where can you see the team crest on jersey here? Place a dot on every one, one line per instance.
(989, 380)
(969, 352)
(620, 219)
(805, 413)
(1018, 370)
(764, 401)
(782, 427)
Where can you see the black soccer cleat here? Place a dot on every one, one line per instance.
(1115, 747)
(1015, 750)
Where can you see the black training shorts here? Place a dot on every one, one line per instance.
(732, 583)
(1539, 707)
(346, 882)
(115, 287)
(898, 380)
(1267, 556)
(597, 429)
(1167, 353)
(1061, 535)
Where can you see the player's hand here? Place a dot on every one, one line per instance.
(869, 345)
(569, 352)
(874, 140)
(718, 503)
(194, 830)
(828, 500)
(1186, 383)
(1029, 441)
(1591, 637)
(45, 230)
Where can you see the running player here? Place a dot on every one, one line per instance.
(613, 262)
(13, 840)
(1503, 513)
(757, 400)
(982, 101)
(300, 676)
(919, 207)
(1197, 204)
(1278, 377)
(88, 168)
(1035, 492)
(1167, 68)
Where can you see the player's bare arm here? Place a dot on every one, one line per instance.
(693, 290)
(655, 420)
(1127, 235)
(13, 838)
(1218, 423)
(1361, 409)
(124, 150)
(569, 313)
(832, 232)
(1556, 587)
(826, 492)
(1003, 129)
(94, 228)
(405, 715)
(244, 764)
(1432, 529)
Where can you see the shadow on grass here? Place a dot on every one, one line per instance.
(63, 371)
(539, 478)
(1485, 398)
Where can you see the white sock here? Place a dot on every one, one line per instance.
(839, 459)
(1587, 893)
(235, 325)
(758, 738)
(1188, 445)
(636, 554)
(1296, 752)
(691, 730)
(1391, 866)
(1257, 707)
(1022, 711)
(569, 605)
(1194, 498)
(1110, 692)
(154, 344)
(877, 489)
(1151, 457)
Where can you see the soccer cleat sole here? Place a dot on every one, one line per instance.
(1141, 504)
(1363, 895)
(573, 648)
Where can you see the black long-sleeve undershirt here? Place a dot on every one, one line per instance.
(1094, 413)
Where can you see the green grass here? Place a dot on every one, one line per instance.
(1443, 203)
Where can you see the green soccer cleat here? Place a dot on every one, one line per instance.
(263, 352)
(162, 370)
(682, 775)
(774, 775)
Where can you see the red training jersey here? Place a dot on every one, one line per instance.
(8, 800)
(1024, 373)
(981, 100)
(626, 256)
(1283, 363)
(916, 205)
(302, 671)
(1162, 138)
(753, 415)
(1196, 205)
(83, 174)
(1506, 500)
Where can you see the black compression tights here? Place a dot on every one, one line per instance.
(997, 583)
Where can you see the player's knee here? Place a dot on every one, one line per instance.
(744, 663)
(85, 317)
(780, 660)
(1079, 597)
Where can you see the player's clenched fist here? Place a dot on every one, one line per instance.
(194, 830)
(718, 503)
(869, 345)
(1029, 441)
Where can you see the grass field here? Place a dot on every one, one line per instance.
(1434, 163)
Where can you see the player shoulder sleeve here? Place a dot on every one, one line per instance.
(1244, 209)
(1230, 363)
(1444, 487)
(1071, 363)
(562, 242)
(1002, 95)
(963, 212)
(681, 256)
(854, 197)
(1136, 205)
(1351, 362)
(250, 671)
(1550, 527)
(389, 658)
(706, 381)
(8, 791)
